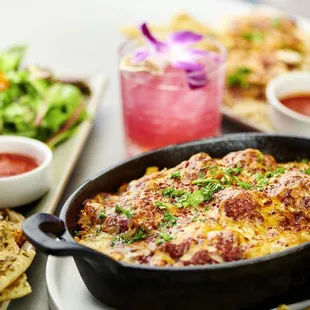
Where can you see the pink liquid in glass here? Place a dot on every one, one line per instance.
(162, 110)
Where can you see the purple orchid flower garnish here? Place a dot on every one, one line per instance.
(177, 52)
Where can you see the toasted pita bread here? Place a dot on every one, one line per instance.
(12, 216)
(13, 260)
(4, 305)
(14, 221)
(17, 289)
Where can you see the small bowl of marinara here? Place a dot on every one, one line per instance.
(25, 170)
(289, 103)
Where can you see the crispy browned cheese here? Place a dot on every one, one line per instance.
(203, 211)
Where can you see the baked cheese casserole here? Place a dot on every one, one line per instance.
(203, 211)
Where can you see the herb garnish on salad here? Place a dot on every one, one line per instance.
(33, 104)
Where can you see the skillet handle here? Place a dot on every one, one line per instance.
(38, 229)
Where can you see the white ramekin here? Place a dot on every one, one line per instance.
(27, 187)
(282, 118)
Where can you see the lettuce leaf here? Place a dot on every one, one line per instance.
(35, 106)
(10, 59)
(62, 100)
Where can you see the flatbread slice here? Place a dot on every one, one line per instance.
(12, 216)
(13, 260)
(4, 305)
(14, 221)
(17, 289)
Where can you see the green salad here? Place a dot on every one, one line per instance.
(34, 104)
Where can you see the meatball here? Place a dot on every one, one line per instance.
(239, 204)
(252, 160)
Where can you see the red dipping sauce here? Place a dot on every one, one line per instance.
(14, 164)
(298, 102)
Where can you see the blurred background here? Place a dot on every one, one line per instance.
(81, 37)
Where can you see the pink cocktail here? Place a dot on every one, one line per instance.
(159, 110)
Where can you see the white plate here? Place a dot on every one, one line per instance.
(66, 289)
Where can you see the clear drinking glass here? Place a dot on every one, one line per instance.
(159, 110)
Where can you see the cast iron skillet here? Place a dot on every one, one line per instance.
(259, 283)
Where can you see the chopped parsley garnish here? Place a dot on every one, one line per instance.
(175, 175)
(233, 171)
(276, 172)
(114, 240)
(260, 158)
(201, 175)
(98, 230)
(210, 190)
(196, 198)
(139, 235)
(169, 219)
(244, 70)
(170, 192)
(307, 171)
(262, 184)
(213, 170)
(118, 209)
(206, 192)
(204, 181)
(244, 185)
(161, 205)
(255, 36)
(263, 180)
(259, 176)
(164, 237)
(182, 201)
(76, 233)
(102, 215)
(207, 208)
(225, 180)
(239, 78)
(180, 196)
(305, 160)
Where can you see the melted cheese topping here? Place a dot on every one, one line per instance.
(203, 211)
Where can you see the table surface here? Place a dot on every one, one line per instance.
(81, 37)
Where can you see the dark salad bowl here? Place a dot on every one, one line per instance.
(259, 283)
